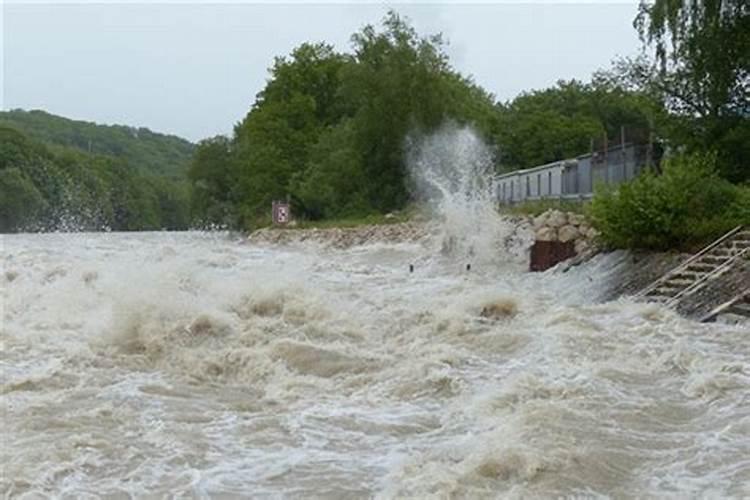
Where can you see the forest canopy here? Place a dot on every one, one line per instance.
(146, 151)
(50, 187)
(328, 131)
(329, 128)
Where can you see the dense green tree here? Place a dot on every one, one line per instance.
(15, 148)
(402, 83)
(273, 142)
(702, 52)
(312, 70)
(684, 207)
(174, 203)
(43, 188)
(146, 151)
(562, 121)
(20, 201)
(704, 49)
(334, 183)
(211, 177)
(329, 129)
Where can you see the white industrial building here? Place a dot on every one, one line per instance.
(544, 181)
(574, 178)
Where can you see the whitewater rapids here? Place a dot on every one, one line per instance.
(196, 364)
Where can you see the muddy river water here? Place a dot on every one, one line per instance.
(196, 364)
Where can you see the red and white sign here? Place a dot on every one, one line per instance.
(281, 212)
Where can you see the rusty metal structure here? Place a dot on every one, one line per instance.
(546, 254)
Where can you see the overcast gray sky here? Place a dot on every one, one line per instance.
(194, 69)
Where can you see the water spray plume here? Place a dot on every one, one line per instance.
(452, 171)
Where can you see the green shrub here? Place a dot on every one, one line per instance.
(686, 206)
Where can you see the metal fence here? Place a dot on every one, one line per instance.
(575, 178)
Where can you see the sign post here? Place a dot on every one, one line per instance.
(281, 213)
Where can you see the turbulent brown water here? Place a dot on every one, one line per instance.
(195, 364)
(201, 365)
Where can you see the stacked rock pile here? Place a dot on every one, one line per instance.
(554, 225)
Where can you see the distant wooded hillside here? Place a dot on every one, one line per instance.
(47, 187)
(146, 151)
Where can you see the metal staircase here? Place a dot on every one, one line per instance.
(690, 276)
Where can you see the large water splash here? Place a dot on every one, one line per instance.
(452, 171)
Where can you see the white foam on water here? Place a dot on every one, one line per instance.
(194, 364)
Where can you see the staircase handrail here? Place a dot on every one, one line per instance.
(714, 273)
(689, 261)
(745, 295)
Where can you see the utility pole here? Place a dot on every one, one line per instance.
(623, 157)
(606, 159)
